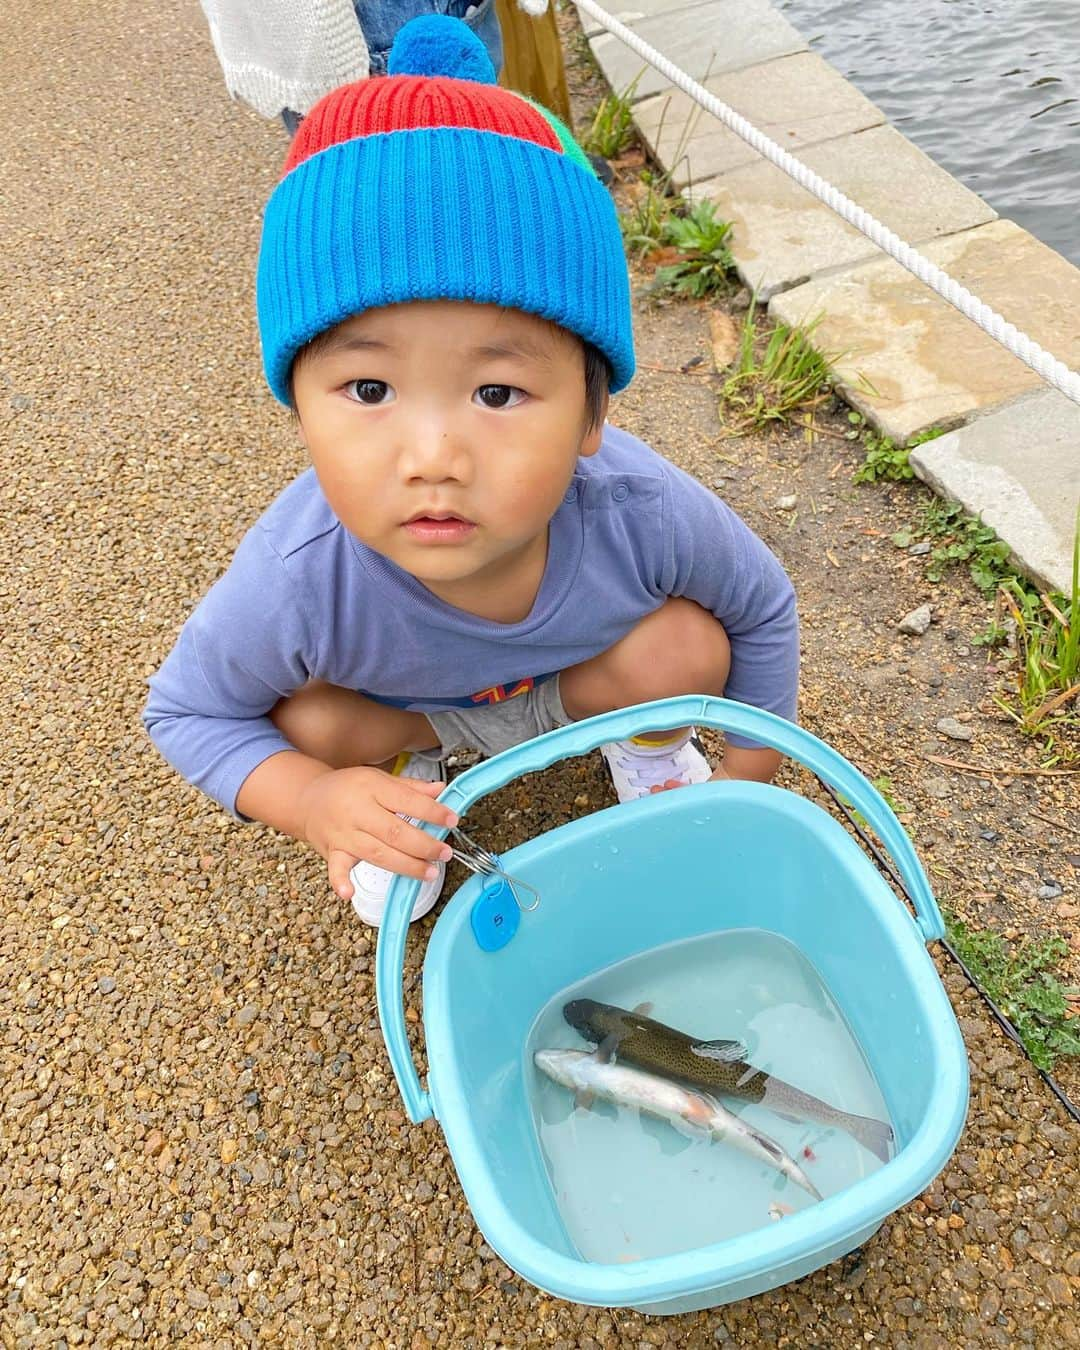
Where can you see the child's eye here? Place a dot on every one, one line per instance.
(369, 391)
(499, 396)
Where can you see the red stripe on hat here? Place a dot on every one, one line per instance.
(411, 102)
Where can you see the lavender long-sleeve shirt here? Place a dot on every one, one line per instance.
(304, 599)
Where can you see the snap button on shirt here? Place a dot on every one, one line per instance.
(620, 492)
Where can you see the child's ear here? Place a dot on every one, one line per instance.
(595, 433)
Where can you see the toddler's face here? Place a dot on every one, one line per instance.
(444, 436)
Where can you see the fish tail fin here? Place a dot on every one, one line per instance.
(875, 1135)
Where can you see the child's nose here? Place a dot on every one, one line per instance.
(431, 452)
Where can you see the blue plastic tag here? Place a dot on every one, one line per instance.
(495, 915)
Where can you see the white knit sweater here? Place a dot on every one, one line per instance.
(279, 54)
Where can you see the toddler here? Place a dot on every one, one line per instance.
(475, 557)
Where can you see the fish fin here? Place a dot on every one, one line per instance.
(724, 1052)
(584, 1099)
(874, 1135)
(642, 1009)
(780, 1158)
(605, 1051)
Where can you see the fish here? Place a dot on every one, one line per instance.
(589, 1077)
(711, 1066)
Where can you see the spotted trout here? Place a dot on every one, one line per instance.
(710, 1066)
(589, 1077)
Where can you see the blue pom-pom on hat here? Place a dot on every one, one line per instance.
(436, 44)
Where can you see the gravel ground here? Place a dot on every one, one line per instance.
(201, 1141)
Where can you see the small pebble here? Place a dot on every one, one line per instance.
(1049, 890)
(106, 984)
(917, 622)
(920, 549)
(956, 731)
(153, 1143)
(786, 503)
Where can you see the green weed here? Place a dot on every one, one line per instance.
(995, 634)
(1021, 982)
(1043, 627)
(884, 785)
(885, 461)
(643, 223)
(705, 261)
(1047, 636)
(612, 127)
(962, 539)
(771, 382)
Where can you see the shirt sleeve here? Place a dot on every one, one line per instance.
(715, 559)
(245, 646)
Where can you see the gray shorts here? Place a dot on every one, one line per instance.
(497, 726)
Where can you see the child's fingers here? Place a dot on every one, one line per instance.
(384, 853)
(402, 836)
(341, 862)
(338, 866)
(412, 797)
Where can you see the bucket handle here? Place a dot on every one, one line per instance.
(579, 738)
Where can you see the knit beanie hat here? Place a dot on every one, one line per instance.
(432, 183)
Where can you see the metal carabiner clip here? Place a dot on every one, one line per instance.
(477, 859)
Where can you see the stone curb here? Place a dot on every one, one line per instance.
(909, 361)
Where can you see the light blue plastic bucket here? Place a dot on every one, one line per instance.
(766, 859)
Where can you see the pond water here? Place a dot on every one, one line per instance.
(989, 89)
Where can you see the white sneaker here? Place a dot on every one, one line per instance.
(371, 884)
(639, 766)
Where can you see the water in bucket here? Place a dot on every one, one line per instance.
(629, 1186)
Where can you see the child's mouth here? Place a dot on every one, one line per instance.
(439, 527)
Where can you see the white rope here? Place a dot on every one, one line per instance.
(1052, 370)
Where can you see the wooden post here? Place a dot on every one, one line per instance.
(532, 57)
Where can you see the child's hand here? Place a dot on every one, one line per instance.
(353, 814)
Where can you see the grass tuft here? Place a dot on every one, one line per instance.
(1021, 982)
(1047, 636)
(778, 375)
(612, 128)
